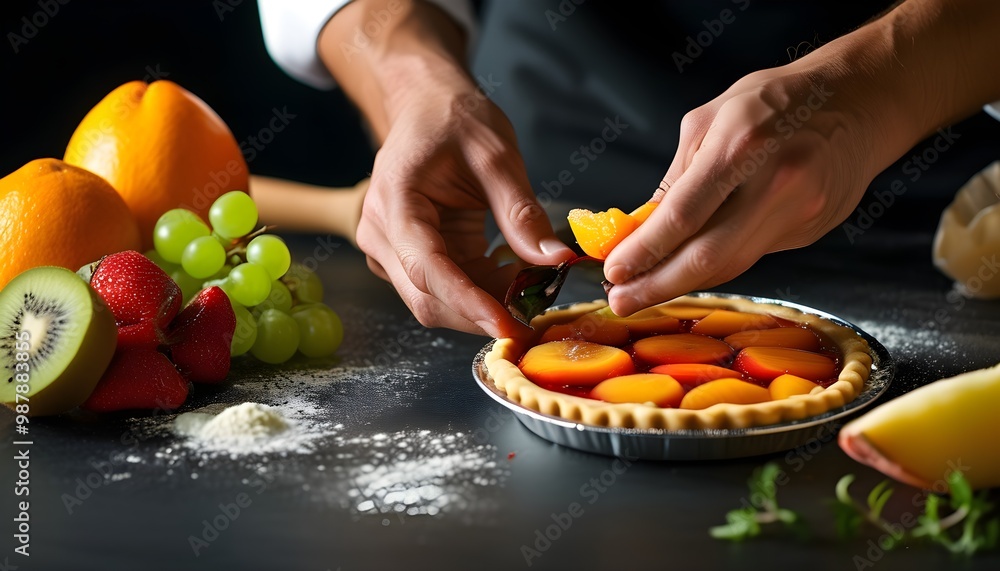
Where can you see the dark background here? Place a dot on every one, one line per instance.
(90, 47)
(215, 50)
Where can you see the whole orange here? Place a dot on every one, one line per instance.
(160, 147)
(55, 214)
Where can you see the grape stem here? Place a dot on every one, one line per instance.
(239, 246)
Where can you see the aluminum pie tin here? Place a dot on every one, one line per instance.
(715, 444)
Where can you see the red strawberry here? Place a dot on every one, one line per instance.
(202, 335)
(142, 334)
(138, 378)
(136, 289)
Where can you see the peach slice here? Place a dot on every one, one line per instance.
(598, 233)
(642, 213)
(723, 322)
(767, 363)
(588, 328)
(693, 373)
(793, 337)
(573, 362)
(785, 386)
(685, 312)
(682, 348)
(733, 391)
(649, 321)
(661, 390)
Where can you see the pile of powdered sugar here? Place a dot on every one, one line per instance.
(247, 428)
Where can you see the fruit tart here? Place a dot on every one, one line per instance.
(697, 362)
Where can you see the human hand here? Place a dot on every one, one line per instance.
(449, 157)
(775, 162)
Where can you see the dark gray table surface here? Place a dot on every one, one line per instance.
(120, 492)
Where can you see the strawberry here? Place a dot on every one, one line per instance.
(202, 335)
(136, 289)
(138, 378)
(142, 334)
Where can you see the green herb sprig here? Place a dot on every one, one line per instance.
(747, 522)
(972, 525)
(969, 528)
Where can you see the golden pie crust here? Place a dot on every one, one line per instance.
(856, 361)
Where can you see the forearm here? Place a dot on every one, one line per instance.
(378, 50)
(923, 65)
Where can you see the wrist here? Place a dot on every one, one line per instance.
(383, 67)
(921, 66)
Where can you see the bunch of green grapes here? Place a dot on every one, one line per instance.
(278, 304)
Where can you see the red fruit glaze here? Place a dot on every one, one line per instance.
(138, 378)
(136, 289)
(201, 337)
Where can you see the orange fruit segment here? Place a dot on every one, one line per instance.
(785, 386)
(598, 233)
(160, 147)
(793, 337)
(723, 322)
(572, 362)
(55, 214)
(588, 328)
(643, 323)
(682, 348)
(767, 363)
(733, 391)
(693, 373)
(685, 312)
(661, 390)
(642, 213)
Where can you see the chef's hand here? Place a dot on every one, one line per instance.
(785, 155)
(773, 163)
(448, 156)
(442, 167)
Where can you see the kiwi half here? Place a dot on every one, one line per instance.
(71, 337)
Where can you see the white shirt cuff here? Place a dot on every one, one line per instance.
(291, 31)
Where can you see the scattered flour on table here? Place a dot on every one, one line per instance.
(900, 339)
(417, 473)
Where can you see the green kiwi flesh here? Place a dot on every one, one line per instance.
(70, 337)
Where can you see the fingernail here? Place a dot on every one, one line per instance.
(488, 327)
(622, 305)
(550, 246)
(617, 274)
